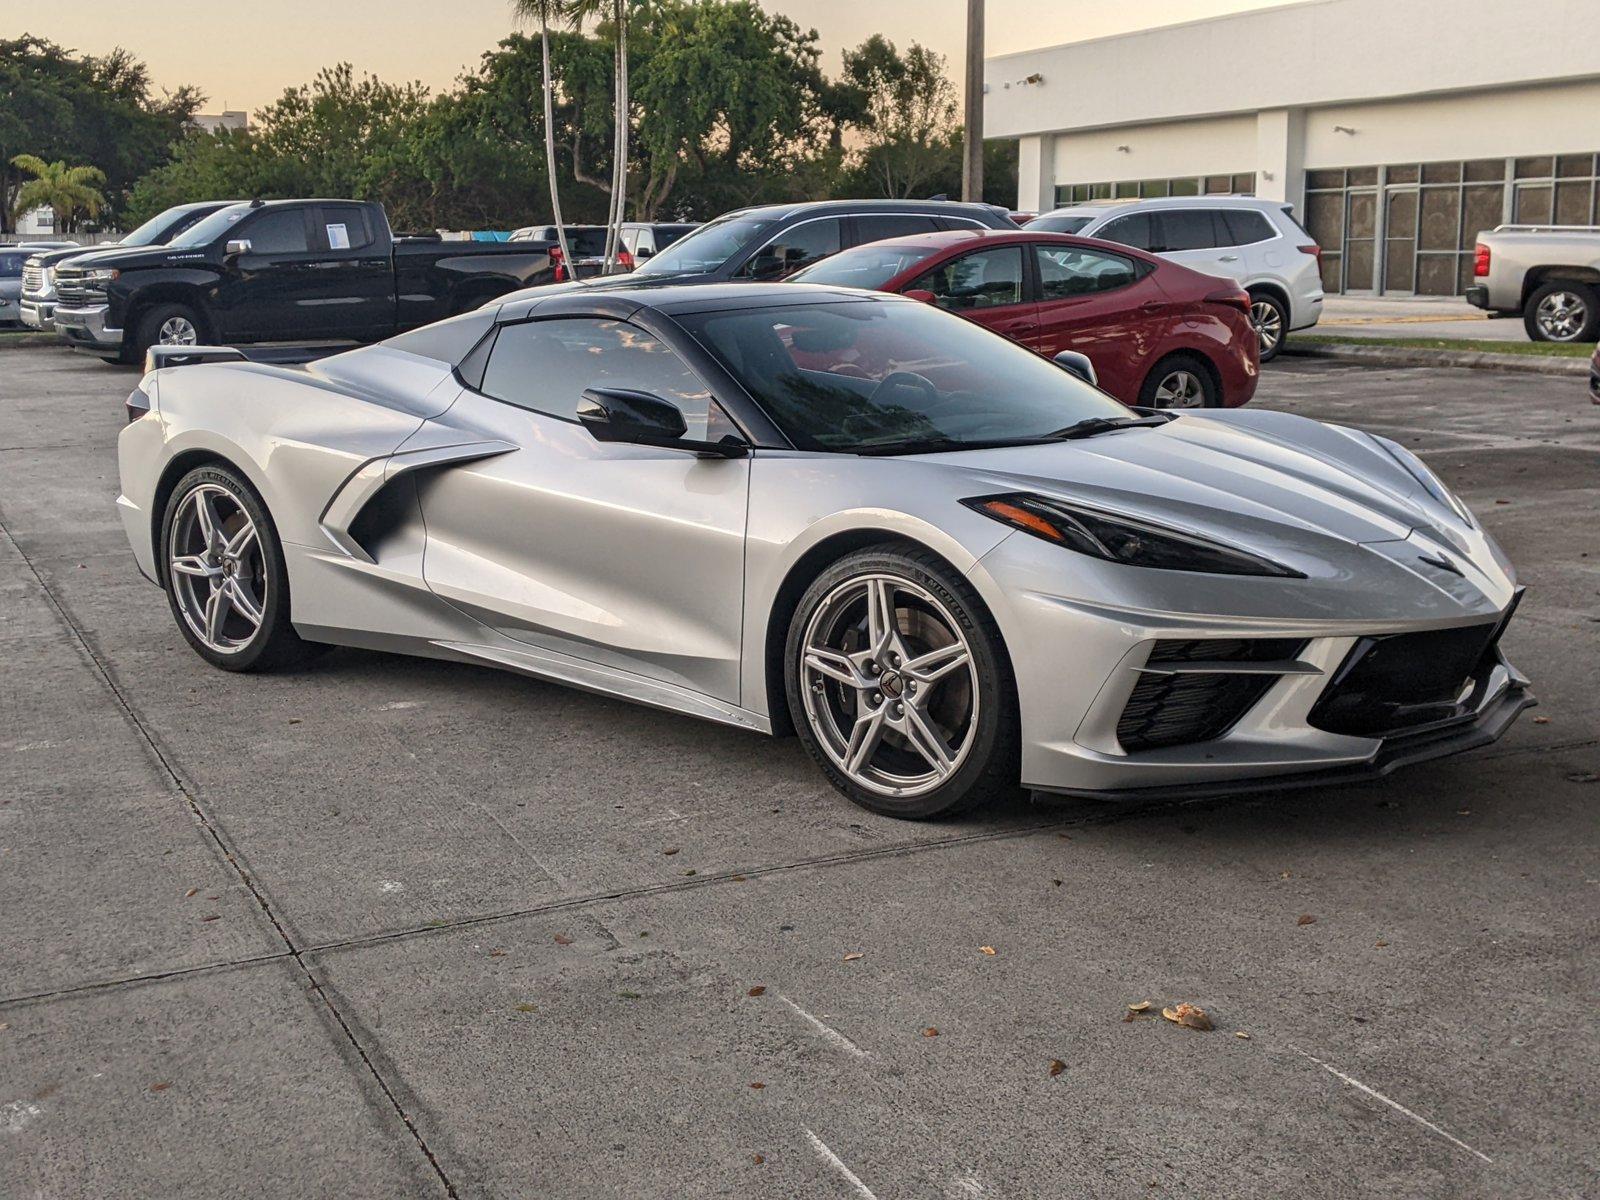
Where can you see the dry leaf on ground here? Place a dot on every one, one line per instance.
(1139, 1007)
(988, 949)
(563, 940)
(1190, 1016)
(930, 1031)
(1306, 919)
(1056, 1067)
(756, 991)
(852, 956)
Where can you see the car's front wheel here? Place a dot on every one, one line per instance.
(223, 568)
(900, 686)
(1563, 311)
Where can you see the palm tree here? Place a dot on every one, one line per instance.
(545, 10)
(579, 11)
(66, 190)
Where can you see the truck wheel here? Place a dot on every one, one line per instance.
(165, 325)
(1563, 311)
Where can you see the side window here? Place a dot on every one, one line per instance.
(546, 365)
(344, 227)
(1187, 229)
(1131, 230)
(279, 232)
(1066, 271)
(875, 227)
(796, 247)
(986, 279)
(1246, 227)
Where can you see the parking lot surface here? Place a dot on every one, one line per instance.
(387, 927)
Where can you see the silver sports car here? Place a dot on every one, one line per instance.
(951, 566)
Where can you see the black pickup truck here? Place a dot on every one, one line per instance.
(283, 271)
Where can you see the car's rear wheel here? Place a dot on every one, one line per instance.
(1180, 381)
(900, 686)
(1271, 321)
(224, 573)
(1563, 311)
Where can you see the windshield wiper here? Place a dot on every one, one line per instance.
(1094, 425)
(938, 445)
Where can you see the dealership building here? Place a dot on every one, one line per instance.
(1397, 128)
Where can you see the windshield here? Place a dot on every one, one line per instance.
(888, 376)
(869, 266)
(707, 248)
(11, 263)
(1054, 224)
(209, 230)
(150, 232)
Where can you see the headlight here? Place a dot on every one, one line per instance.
(1122, 539)
(1423, 474)
(101, 275)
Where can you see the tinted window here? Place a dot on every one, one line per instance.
(1246, 226)
(869, 266)
(876, 227)
(1187, 229)
(1069, 271)
(708, 247)
(344, 227)
(798, 246)
(11, 264)
(667, 234)
(1131, 230)
(280, 232)
(546, 365)
(1053, 224)
(986, 279)
(218, 225)
(891, 376)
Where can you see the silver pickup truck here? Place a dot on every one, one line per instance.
(1549, 275)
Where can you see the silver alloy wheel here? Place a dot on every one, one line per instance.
(216, 570)
(1180, 389)
(1268, 324)
(178, 331)
(890, 685)
(1561, 316)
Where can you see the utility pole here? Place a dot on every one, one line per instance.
(972, 157)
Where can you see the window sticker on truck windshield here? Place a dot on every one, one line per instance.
(338, 237)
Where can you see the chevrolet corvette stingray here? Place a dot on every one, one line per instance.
(948, 564)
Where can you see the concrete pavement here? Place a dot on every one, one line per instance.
(387, 927)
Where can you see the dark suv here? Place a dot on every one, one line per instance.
(776, 240)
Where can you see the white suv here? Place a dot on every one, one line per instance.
(1257, 242)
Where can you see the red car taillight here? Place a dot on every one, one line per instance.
(559, 263)
(1480, 261)
(1314, 250)
(1234, 297)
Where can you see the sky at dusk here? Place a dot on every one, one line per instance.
(243, 53)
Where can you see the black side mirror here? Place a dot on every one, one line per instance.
(1077, 364)
(643, 419)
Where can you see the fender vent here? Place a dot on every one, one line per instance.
(1172, 710)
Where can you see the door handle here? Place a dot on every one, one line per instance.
(1229, 258)
(1150, 306)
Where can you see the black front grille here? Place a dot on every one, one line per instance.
(1386, 684)
(1171, 710)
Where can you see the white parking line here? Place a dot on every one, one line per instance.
(834, 1161)
(1399, 1108)
(832, 1036)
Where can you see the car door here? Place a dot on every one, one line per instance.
(1105, 305)
(1199, 239)
(354, 287)
(262, 293)
(625, 557)
(988, 287)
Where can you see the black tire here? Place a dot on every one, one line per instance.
(275, 643)
(992, 765)
(1585, 323)
(1210, 393)
(1281, 312)
(148, 331)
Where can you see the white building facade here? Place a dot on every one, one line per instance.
(1397, 128)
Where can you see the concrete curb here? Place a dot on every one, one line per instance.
(1413, 356)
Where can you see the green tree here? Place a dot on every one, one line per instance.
(84, 109)
(909, 111)
(67, 191)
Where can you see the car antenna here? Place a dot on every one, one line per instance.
(257, 202)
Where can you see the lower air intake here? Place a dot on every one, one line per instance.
(1172, 710)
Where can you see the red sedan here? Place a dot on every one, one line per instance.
(1159, 334)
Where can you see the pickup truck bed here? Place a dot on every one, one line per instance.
(1549, 275)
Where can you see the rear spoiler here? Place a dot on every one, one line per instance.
(158, 357)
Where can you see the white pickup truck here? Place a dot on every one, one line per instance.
(1549, 275)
